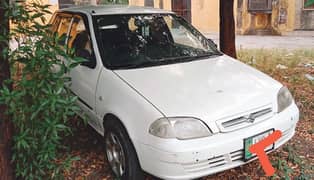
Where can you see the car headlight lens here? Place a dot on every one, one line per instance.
(179, 127)
(284, 99)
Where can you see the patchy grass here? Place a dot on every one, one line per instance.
(295, 160)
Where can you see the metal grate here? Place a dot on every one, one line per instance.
(260, 6)
(237, 155)
(214, 162)
(246, 120)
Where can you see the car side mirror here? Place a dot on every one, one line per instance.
(90, 58)
(212, 42)
(90, 62)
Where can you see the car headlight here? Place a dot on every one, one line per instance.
(180, 128)
(284, 99)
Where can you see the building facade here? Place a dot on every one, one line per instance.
(273, 16)
(203, 14)
(251, 16)
(277, 17)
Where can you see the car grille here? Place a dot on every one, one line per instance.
(214, 162)
(244, 120)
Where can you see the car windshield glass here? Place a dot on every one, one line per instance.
(132, 41)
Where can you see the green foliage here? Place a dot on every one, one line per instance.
(39, 104)
(309, 3)
(283, 169)
(283, 166)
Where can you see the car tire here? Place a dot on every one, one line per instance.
(120, 152)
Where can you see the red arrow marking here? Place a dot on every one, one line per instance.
(259, 147)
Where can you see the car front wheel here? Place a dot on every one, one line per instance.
(120, 153)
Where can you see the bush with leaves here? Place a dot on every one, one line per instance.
(39, 104)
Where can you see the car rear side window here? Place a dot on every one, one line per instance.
(55, 23)
(62, 29)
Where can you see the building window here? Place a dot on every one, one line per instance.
(264, 6)
(113, 2)
(308, 5)
(182, 8)
(65, 3)
(149, 3)
(69, 3)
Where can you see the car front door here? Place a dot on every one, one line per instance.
(84, 76)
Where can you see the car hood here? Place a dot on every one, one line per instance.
(208, 89)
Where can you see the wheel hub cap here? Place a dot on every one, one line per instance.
(115, 154)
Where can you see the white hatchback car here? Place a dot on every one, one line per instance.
(164, 98)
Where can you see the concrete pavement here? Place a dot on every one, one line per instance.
(271, 42)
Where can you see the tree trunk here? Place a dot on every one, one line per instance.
(6, 127)
(227, 28)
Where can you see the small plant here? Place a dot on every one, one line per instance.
(39, 104)
(283, 166)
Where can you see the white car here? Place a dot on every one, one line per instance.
(165, 99)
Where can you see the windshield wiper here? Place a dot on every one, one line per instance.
(164, 61)
(189, 58)
(132, 66)
(214, 54)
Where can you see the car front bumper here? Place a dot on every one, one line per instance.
(200, 157)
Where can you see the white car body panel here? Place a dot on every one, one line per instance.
(115, 96)
(83, 84)
(209, 89)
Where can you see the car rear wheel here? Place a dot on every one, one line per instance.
(120, 153)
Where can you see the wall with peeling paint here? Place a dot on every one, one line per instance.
(279, 20)
(283, 15)
(304, 17)
(286, 16)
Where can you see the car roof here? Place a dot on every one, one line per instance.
(115, 9)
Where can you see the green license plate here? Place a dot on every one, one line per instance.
(248, 142)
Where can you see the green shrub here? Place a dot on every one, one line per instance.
(39, 104)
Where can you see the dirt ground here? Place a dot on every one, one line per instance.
(295, 160)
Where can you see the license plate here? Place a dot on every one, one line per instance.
(253, 140)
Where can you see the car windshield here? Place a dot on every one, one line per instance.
(133, 41)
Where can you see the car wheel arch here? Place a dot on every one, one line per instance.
(111, 118)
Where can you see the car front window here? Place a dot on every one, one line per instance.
(133, 41)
